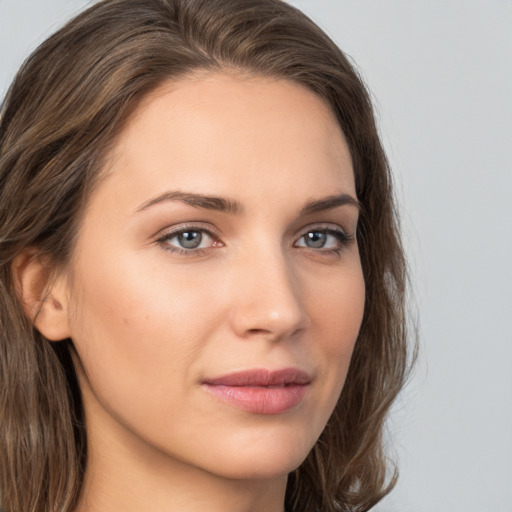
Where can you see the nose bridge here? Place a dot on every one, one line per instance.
(268, 299)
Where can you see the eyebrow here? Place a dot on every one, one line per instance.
(234, 207)
(330, 202)
(197, 201)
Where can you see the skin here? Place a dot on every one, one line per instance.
(151, 320)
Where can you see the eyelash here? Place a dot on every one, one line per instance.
(343, 238)
(164, 240)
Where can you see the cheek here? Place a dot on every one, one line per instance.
(337, 308)
(136, 307)
(337, 311)
(137, 332)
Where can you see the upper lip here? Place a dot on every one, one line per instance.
(262, 377)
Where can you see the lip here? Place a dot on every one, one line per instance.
(261, 391)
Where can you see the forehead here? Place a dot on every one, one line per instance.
(208, 131)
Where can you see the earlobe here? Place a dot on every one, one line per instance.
(43, 294)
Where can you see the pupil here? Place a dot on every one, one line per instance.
(190, 239)
(316, 239)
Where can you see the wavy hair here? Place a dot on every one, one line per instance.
(60, 117)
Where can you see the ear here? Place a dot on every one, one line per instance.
(44, 294)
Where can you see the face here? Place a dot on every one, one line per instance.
(217, 291)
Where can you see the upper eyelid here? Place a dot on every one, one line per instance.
(183, 227)
(328, 230)
(326, 226)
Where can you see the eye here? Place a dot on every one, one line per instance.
(188, 240)
(327, 239)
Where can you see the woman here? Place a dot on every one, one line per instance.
(201, 273)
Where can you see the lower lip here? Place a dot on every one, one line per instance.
(260, 399)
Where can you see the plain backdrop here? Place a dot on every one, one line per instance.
(441, 75)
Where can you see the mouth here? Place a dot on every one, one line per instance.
(261, 391)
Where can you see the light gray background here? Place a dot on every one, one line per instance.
(441, 73)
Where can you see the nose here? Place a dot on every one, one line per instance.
(267, 300)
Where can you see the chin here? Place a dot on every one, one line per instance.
(260, 458)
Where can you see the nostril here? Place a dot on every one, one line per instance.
(258, 331)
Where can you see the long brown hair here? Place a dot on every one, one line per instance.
(60, 116)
